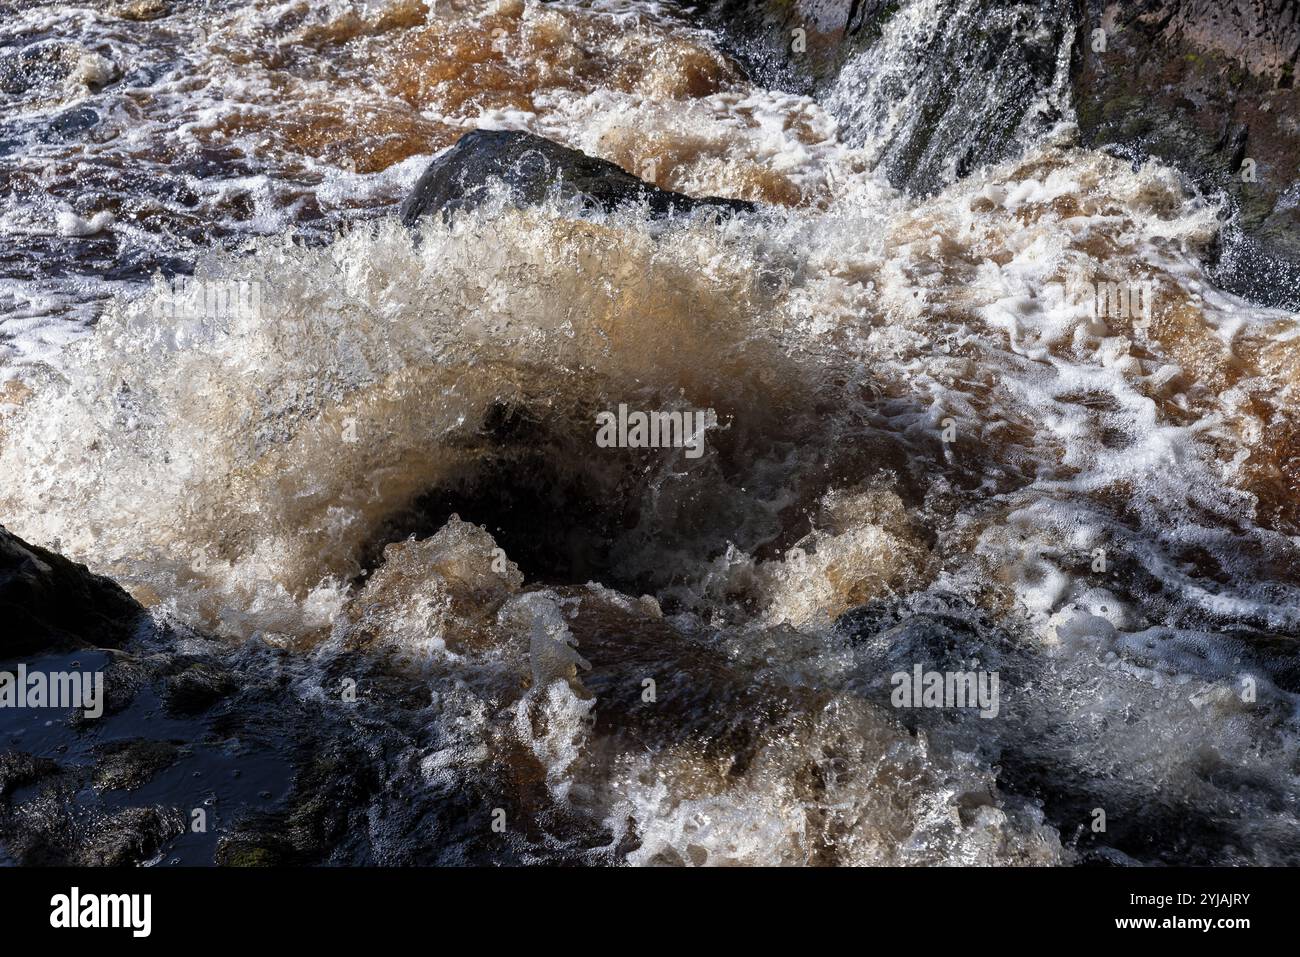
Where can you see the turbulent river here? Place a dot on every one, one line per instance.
(1011, 427)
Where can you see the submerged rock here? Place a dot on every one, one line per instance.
(47, 602)
(531, 167)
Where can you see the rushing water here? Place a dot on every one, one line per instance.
(932, 447)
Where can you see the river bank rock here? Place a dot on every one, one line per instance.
(1210, 87)
(1205, 85)
(49, 602)
(531, 167)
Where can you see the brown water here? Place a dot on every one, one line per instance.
(926, 433)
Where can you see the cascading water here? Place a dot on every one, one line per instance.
(948, 86)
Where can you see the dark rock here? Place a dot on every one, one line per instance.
(43, 830)
(35, 66)
(327, 804)
(124, 677)
(196, 688)
(969, 80)
(48, 602)
(19, 769)
(70, 124)
(241, 851)
(1207, 85)
(531, 168)
(130, 836)
(128, 764)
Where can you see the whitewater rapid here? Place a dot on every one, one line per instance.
(932, 448)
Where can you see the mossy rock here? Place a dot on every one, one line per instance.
(239, 851)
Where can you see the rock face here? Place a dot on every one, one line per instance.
(531, 167)
(1209, 86)
(939, 87)
(48, 602)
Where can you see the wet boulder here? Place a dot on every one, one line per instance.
(194, 686)
(49, 602)
(129, 763)
(532, 168)
(19, 769)
(70, 125)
